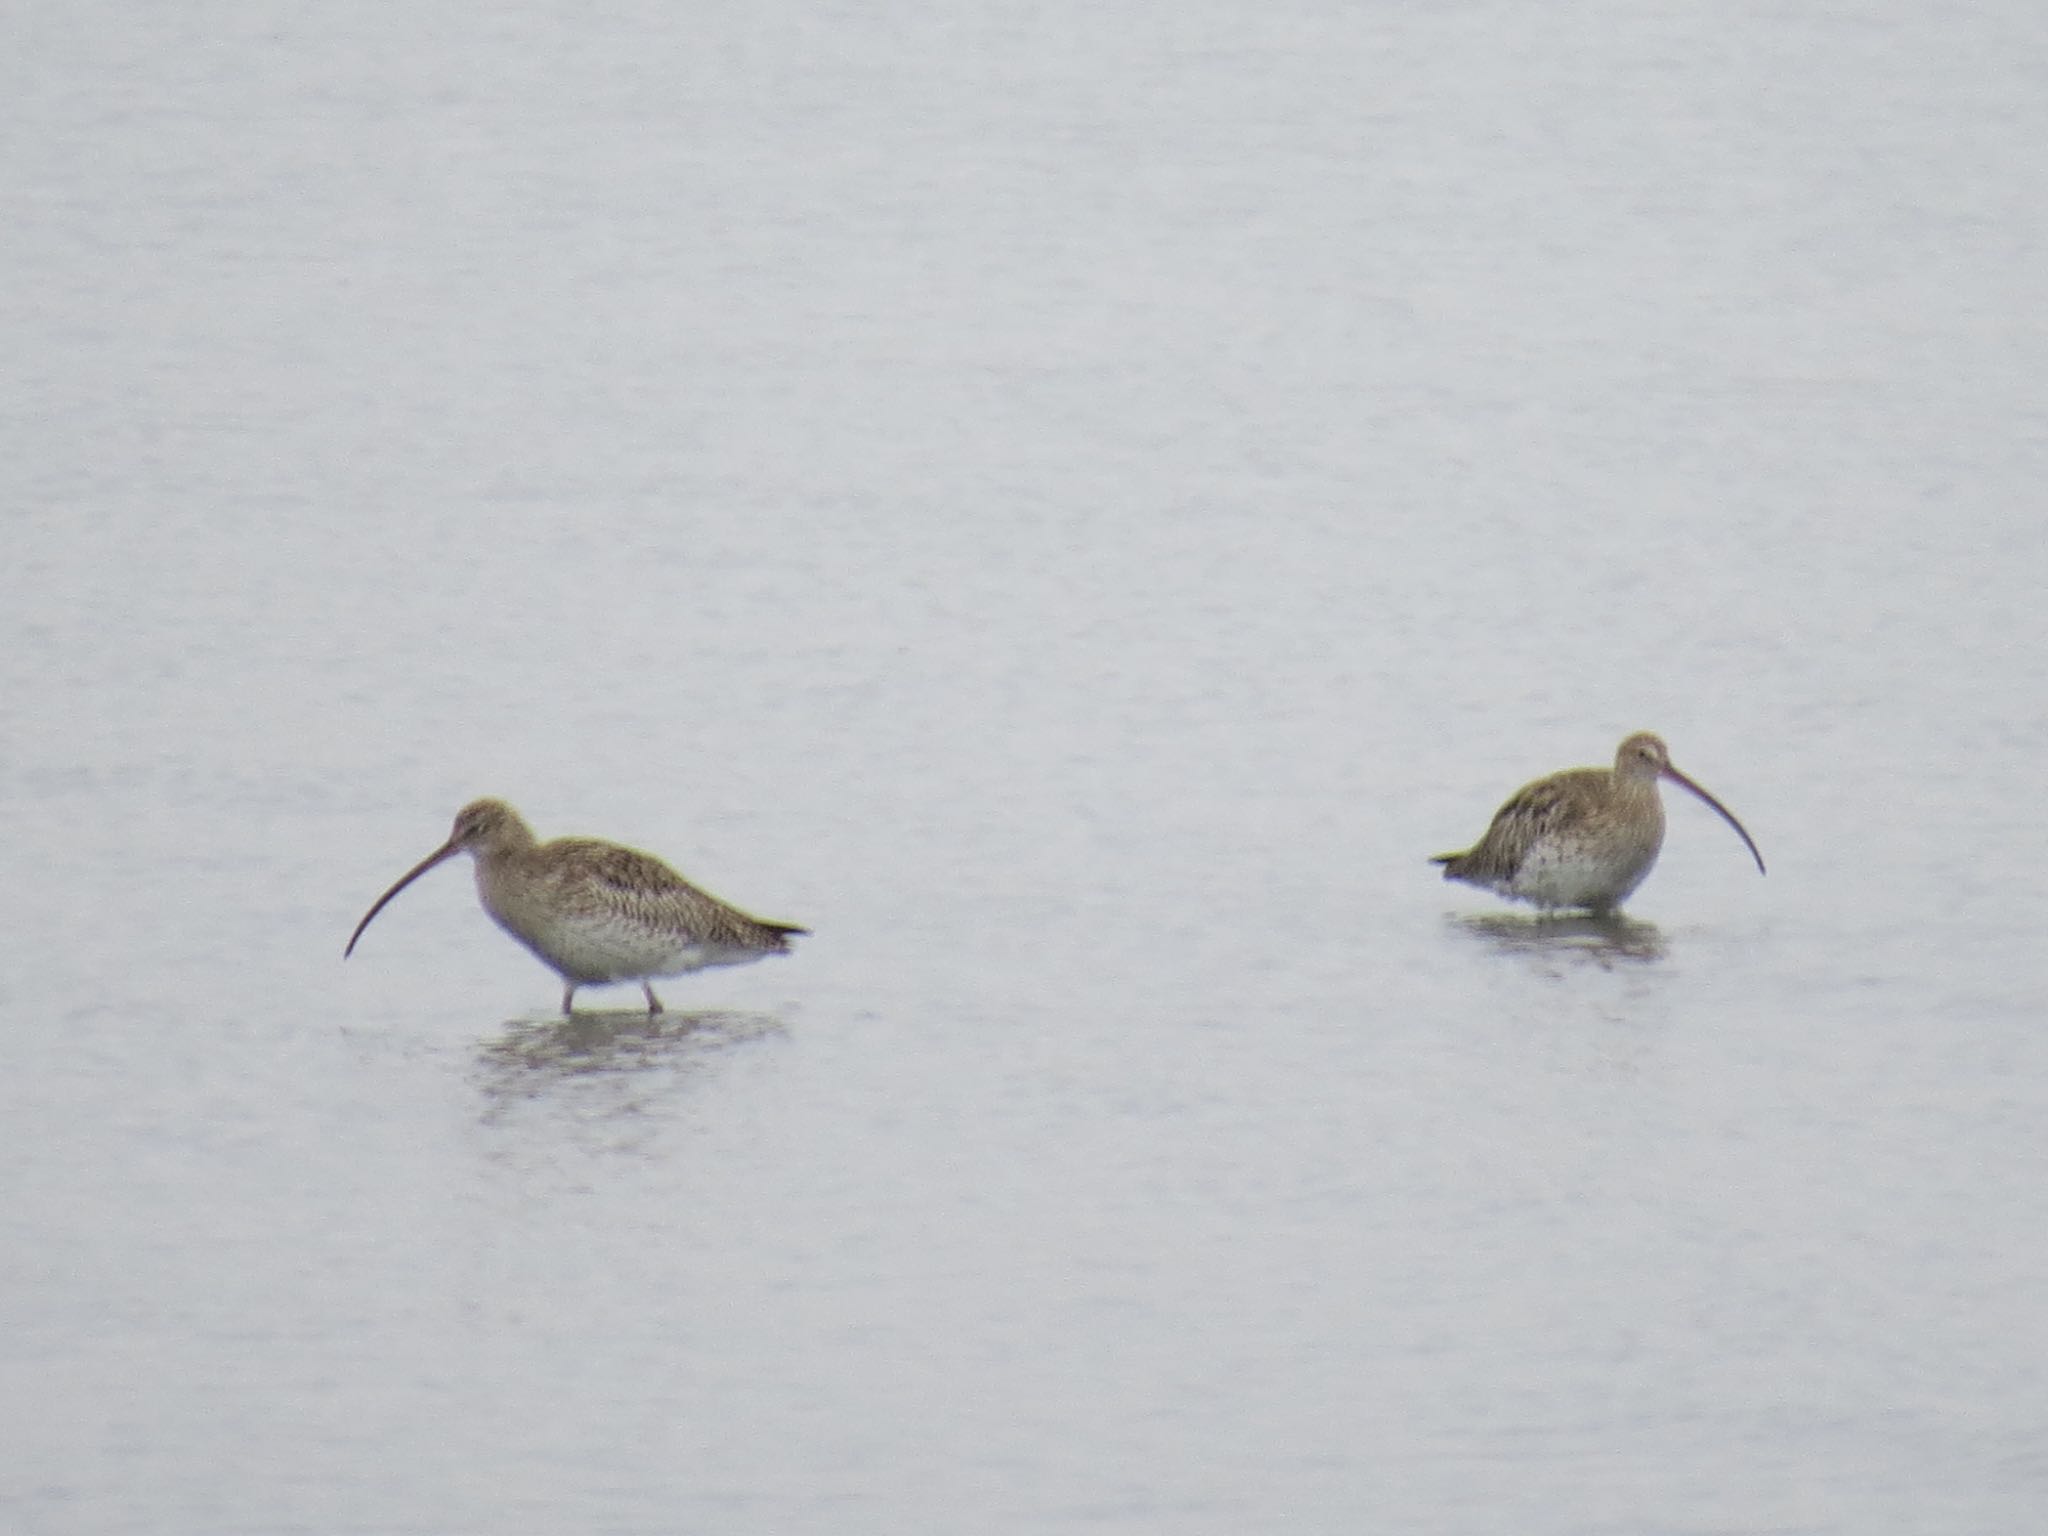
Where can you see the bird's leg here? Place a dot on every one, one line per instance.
(653, 1002)
(568, 992)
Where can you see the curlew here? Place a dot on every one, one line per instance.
(1586, 837)
(593, 911)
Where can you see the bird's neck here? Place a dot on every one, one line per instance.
(1637, 788)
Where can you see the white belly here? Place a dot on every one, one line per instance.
(592, 948)
(1563, 875)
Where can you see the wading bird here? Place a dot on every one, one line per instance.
(1586, 837)
(593, 911)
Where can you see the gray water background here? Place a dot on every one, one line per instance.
(1073, 503)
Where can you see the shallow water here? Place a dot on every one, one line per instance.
(1074, 510)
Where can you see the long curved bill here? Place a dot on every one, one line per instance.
(1675, 777)
(445, 851)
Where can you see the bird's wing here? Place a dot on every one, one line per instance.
(641, 886)
(1532, 813)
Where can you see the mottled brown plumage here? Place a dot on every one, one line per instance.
(1586, 837)
(593, 911)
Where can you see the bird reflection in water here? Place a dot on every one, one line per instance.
(1604, 941)
(612, 1063)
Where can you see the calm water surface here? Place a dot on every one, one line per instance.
(1074, 509)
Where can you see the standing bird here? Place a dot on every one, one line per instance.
(593, 911)
(1586, 837)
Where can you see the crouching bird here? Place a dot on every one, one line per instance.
(1586, 837)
